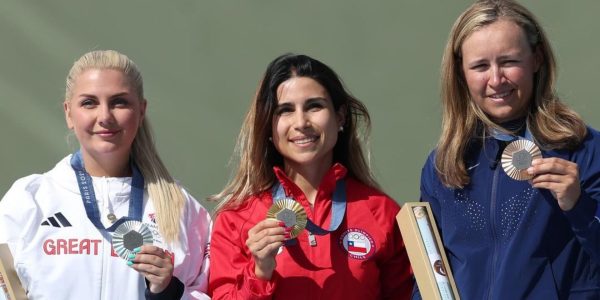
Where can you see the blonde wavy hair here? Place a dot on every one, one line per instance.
(165, 194)
(257, 156)
(552, 123)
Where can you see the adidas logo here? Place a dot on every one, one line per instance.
(58, 220)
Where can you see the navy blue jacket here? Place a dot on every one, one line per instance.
(507, 240)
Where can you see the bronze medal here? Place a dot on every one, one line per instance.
(517, 158)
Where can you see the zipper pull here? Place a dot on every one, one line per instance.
(312, 241)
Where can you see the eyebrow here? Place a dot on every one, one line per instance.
(112, 96)
(315, 99)
(309, 100)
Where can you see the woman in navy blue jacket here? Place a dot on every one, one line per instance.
(508, 238)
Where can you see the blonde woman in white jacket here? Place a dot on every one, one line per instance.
(70, 229)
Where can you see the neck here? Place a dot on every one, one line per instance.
(307, 178)
(514, 125)
(108, 166)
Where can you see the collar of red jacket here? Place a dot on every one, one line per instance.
(326, 188)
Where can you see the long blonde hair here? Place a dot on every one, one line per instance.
(166, 195)
(552, 123)
(257, 156)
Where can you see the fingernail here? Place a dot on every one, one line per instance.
(281, 224)
(138, 249)
(131, 256)
(530, 171)
(129, 263)
(288, 229)
(287, 235)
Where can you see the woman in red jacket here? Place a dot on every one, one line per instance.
(301, 140)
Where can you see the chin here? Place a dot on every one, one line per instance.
(104, 150)
(501, 117)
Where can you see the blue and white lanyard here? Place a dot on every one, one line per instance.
(338, 207)
(86, 188)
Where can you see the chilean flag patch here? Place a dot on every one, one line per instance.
(356, 246)
(357, 243)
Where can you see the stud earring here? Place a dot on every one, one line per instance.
(271, 139)
(341, 129)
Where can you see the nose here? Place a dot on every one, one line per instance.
(496, 76)
(301, 119)
(105, 115)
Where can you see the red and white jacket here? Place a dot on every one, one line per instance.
(364, 258)
(59, 254)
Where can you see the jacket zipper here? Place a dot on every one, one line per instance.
(104, 242)
(493, 201)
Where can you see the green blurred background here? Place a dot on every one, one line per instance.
(202, 61)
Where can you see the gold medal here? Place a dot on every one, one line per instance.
(289, 212)
(131, 235)
(517, 158)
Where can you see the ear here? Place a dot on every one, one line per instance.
(67, 109)
(538, 59)
(340, 115)
(143, 105)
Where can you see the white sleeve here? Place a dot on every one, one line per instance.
(198, 225)
(19, 218)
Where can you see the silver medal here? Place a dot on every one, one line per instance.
(131, 235)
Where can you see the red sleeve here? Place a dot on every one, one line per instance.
(231, 266)
(396, 274)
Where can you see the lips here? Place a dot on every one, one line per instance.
(304, 140)
(106, 133)
(501, 95)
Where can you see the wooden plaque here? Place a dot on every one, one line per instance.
(10, 285)
(426, 252)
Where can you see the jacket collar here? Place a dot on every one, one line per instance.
(326, 187)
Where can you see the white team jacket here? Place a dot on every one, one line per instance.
(59, 254)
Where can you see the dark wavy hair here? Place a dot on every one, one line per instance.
(257, 156)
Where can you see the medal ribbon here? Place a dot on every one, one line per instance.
(86, 188)
(338, 207)
(510, 137)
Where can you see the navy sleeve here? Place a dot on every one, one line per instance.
(173, 291)
(428, 176)
(584, 216)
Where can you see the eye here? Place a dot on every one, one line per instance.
(510, 62)
(314, 106)
(479, 67)
(87, 102)
(283, 110)
(120, 102)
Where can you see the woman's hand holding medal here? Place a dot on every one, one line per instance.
(264, 240)
(559, 176)
(155, 264)
(522, 160)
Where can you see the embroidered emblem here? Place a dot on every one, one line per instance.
(358, 243)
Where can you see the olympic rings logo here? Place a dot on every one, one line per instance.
(356, 236)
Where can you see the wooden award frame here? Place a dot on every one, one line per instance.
(12, 285)
(421, 247)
